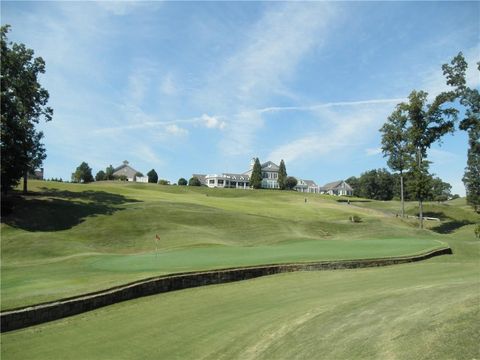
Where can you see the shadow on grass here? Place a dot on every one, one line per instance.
(53, 210)
(449, 227)
(447, 224)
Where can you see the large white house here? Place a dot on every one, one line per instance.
(270, 172)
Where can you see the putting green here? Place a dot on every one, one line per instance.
(66, 276)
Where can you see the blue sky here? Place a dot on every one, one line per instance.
(202, 87)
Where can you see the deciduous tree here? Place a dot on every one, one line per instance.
(395, 146)
(83, 174)
(100, 176)
(426, 124)
(182, 182)
(470, 100)
(290, 182)
(109, 173)
(194, 181)
(23, 104)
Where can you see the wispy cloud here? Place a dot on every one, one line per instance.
(213, 122)
(168, 85)
(121, 8)
(176, 130)
(339, 131)
(373, 151)
(262, 66)
(329, 105)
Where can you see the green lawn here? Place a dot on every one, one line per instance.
(426, 310)
(68, 239)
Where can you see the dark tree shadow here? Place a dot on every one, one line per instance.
(449, 227)
(53, 209)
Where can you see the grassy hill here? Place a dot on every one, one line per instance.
(67, 239)
(104, 235)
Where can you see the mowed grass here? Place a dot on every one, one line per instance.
(426, 310)
(68, 239)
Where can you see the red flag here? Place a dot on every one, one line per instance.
(157, 237)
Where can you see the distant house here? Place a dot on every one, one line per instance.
(242, 181)
(339, 187)
(129, 173)
(270, 172)
(307, 186)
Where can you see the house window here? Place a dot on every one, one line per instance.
(220, 182)
(240, 184)
(211, 181)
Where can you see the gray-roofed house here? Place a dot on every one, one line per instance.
(339, 187)
(308, 186)
(270, 181)
(301, 186)
(269, 174)
(129, 173)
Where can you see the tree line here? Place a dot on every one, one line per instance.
(415, 125)
(380, 184)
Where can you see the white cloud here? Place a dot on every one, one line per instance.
(340, 129)
(213, 122)
(174, 129)
(373, 151)
(262, 66)
(168, 85)
(145, 154)
(121, 8)
(329, 105)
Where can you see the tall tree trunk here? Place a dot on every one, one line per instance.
(420, 203)
(420, 198)
(401, 194)
(25, 177)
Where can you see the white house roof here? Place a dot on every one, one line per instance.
(270, 166)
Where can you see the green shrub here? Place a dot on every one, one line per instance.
(355, 219)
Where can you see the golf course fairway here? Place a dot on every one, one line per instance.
(423, 310)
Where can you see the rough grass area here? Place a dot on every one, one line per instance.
(66, 239)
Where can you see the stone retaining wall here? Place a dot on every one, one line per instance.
(37, 314)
